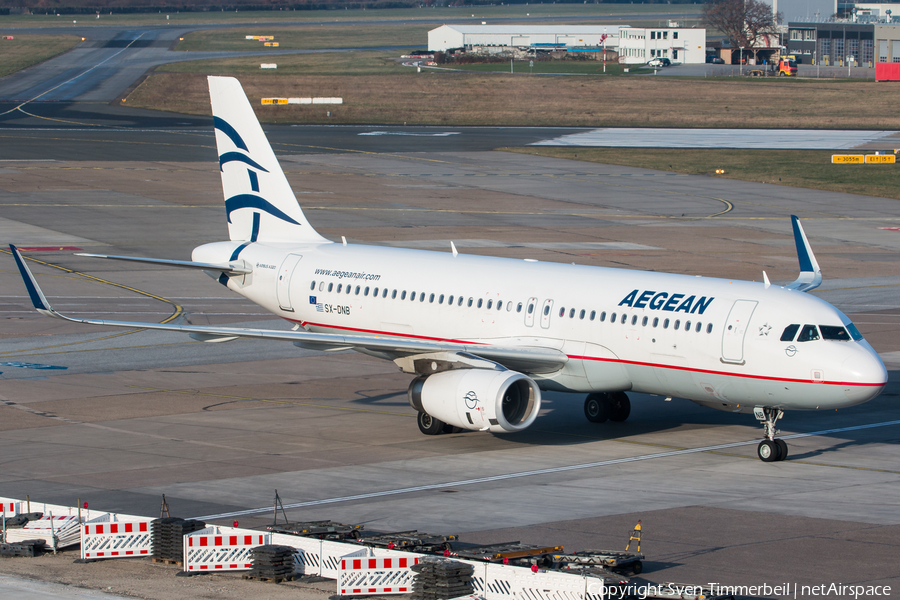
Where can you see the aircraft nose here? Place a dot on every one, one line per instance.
(867, 371)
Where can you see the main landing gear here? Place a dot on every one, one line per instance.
(770, 449)
(601, 406)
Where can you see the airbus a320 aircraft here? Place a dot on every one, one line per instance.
(483, 336)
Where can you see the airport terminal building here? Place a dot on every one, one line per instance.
(633, 45)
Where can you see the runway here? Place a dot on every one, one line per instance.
(128, 416)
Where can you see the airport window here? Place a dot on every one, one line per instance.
(403, 295)
(519, 307)
(652, 36)
(687, 326)
(699, 327)
(674, 35)
(366, 291)
(644, 321)
(830, 332)
(665, 35)
(384, 293)
(339, 288)
(789, 332)
(562, 312)
(709, 328)
(469, 303)
(593, 314)
(677, 324)
(665, 324)
(809, 333)
(480, 302)
(441, 299)
(795, 34)
(581, 314)
(655, 321)
(330, 286)
(633, 319)
(312, 286)
(431, 298)
(612, 318)
(357, 290)
(394, 295)
(809, 34)
(490, 304)
(572, 313)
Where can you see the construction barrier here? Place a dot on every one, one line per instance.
(307, 552)
(504, 582)
(364, 576)
(221, 549)
(57, 532)
(116, 536)
(9, 507)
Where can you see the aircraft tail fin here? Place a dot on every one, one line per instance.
(810, 274)
(259, 202)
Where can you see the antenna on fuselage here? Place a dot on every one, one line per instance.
(766, 280)
(453, 248)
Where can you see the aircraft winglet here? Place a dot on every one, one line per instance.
(810, 274)
(34, 290)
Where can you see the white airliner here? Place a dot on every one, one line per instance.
(485, 335)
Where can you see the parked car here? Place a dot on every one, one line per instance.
(714, 60)
(659, 62)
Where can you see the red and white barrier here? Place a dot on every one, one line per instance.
(112, 536)
(307, 552)
(363, 576)
(57, 532)
(221, 549)
(506, 582)
(9, 507)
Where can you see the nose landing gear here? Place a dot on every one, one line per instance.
(770, 449)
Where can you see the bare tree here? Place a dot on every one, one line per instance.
(745, 23)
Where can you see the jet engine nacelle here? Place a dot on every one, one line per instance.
(478, 399)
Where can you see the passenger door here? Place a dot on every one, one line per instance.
(283, 284)
(735, 330)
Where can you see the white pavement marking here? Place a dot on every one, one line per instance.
(782, 139)
(503, 477)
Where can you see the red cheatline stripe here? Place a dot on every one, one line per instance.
(612, 360)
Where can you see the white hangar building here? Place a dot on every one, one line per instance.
(685, 45)
(447, 37)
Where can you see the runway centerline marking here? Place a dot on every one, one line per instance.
(521, 474)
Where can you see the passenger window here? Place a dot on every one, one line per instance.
(366, 291)
(422, 297)
(603, 316)
(809, 333)
(384, 293)
(460, 301)
(312, 286)
(625, 318)
(403, 295)
(519, 307)
(412, 296)
(480, 302)
(655, 321)
(441, 299)
(330, 286)
(666, 324)
(709, 328)
(321, 286)
(450, 300)
(644, 321)
(612, 318)
(830, 332)
(394, 295)
(500, 305)
(699, 327)
(349, 287)
(677, 324)
(581, 314)
(469, 303)
(633, 319)
(490, 304)
(789, 332)
(357, 290)
(572, 313)
(339, 288)
(431, 298)
(562, 311)
(375, 292)
(546, 310)
(687, 326)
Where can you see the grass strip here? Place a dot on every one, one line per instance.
(797, 168)
(307, 37)
(24, 51)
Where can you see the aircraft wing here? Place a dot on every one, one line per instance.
(527, 359)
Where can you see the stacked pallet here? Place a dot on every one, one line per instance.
(272, 563)
(167, 538)
(441, 578)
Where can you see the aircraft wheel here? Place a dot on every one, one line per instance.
(768, 451)
(637, 568)
(596, 407)
(783, 448)
(619, 407)
(429, 425)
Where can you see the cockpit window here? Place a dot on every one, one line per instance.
(854, 332)
(809, 333)
(789, 332)
(830, 332)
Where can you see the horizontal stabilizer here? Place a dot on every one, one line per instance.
(235, 268)
(810, 275)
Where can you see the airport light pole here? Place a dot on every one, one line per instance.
(741, 62)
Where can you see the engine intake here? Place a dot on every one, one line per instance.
(478, 399)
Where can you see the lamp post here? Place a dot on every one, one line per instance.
(741, 62)
(604, 50)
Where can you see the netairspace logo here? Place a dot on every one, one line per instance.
(784, 590)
